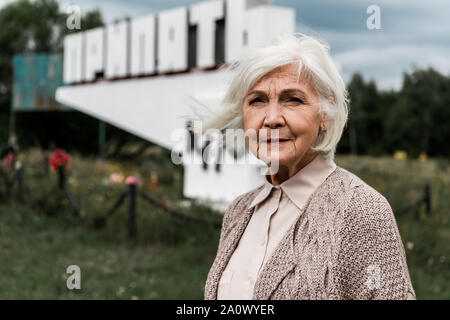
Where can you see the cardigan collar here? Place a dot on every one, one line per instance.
(302, 184)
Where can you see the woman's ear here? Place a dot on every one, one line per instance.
(324, 122)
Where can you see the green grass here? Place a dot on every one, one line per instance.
(37, 249)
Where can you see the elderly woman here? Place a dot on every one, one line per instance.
(313, 230)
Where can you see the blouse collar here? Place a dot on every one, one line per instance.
(302, 184)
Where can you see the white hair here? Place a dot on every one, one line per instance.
(314, 65)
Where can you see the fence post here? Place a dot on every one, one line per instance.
(46, 163)
(20, 178)
(61, 178)
(427, 198)
(132, 209)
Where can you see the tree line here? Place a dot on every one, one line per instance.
(414, 118)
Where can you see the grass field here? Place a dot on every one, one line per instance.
(36, 250)
(170, 257)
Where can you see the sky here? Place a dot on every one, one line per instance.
(414, 33)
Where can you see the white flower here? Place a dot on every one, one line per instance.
(120, 291)
(409, 245)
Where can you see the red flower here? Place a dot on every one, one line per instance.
(58, 159)
(8, 161)
(131, 180)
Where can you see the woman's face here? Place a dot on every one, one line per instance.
(279, 102)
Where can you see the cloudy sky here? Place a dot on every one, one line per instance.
(413, 32)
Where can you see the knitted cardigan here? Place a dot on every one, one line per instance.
(344, 245)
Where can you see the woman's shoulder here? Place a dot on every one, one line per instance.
(370, 244)
(362, 196)
(368, 214)
(347, 197)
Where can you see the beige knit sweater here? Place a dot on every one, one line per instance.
(344, 245)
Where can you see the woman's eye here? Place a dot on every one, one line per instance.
(255, 100)
(296, 100)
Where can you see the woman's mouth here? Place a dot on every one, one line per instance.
(271, 142)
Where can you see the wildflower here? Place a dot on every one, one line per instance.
(116, 177)
(59, 159)
(423, 157)
(153, 180)
(137, 180)
(8, 160)
(400, 155)
(120, 291)
(410, 245)
(131, 180)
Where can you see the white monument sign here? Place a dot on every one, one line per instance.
(144, 75)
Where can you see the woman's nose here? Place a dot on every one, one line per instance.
(274, 117)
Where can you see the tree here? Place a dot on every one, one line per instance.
(419, 121)
(364, 130)
(31, 27)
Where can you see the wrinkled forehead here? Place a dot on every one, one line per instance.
(288, 75)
